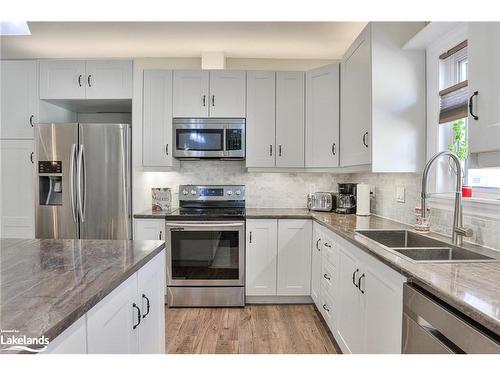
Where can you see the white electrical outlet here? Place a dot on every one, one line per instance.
(400, 194)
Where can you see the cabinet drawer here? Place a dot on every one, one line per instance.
(328, 278)
(327, 309)
(330, 250)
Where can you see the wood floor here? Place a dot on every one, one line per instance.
(271, 329)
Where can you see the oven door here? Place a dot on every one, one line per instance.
(199, 140)
(205, 253)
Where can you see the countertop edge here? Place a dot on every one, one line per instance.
(81, 310)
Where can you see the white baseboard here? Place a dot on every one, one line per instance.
(276, 300)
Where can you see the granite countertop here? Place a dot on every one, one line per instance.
(46, 285)
(472, 288)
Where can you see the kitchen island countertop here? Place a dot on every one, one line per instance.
(46, 285)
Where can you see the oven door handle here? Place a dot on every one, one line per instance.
(207, 224)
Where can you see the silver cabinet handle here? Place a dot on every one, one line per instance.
(279, 150)
(82, 197)
(160, 234)
(80, 80)
(204, 100)
(270, 150)
(317, 244)
(31, 157)
(88, 80)
(327, 245)
(327, 277)
(72, 181)
(166, 149)
(325, 307)
(213, 100)
(354, 277)
(31, 120)
(250, 239)
(334, 149)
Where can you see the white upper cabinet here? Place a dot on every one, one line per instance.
(79, 79)
(227, 93)
(62, 79)
(261, 257)
(191, 93)
(322, 117)
(356, 103)
(17, 204)
(157, 119)
(19, 99)
(294, 258)
(260, 119)
(290, 119)
(382, 104)
(484, 78)
(200, 93)
(109, 79)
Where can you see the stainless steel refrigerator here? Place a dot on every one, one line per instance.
(82, 181)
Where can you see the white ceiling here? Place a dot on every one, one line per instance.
(297, 40)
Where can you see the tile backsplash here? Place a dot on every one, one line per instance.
(289, 190)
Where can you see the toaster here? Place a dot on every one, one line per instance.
(321, 201)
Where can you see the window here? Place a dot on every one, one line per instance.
(453, 69)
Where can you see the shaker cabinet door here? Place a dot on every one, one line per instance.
(108, 79)
(227, 93)
(19, 99)
(149, 229)
(157, 146)
(261, 119)
(191, 93)
(62, 79)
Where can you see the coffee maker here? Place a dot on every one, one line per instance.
(346, 199)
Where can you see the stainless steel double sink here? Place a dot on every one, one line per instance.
(419, 248)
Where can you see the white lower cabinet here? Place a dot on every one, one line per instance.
(149, 229)
(317, 237)
(278, 257)
(131, 319)
(294, 258)
(261, 257)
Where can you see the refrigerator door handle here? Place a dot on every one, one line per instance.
(72, 181)
(81, 197)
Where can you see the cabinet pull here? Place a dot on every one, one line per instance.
(213, 100)
(334, 149)
(364, 139)
(327, 277)
(327, 245)
(138, 316)
(471, 106)
(359, 283)
(317, 244)
(160, 234)
(31, 157)
(88, 80)
(204, 100)
(354, 277)
(31, 120)
(147, 305)
(166, 149)
(279, 150)
(270, 150)
(80, 80)
(325, 307)
(250, 239)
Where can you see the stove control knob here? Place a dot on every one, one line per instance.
(193, 192)
(184, 192)
(229, 192)
(238, 192)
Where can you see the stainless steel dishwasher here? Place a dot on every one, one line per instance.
(432, 327)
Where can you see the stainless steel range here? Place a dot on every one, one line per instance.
(205, 241)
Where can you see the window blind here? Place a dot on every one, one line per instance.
(453, 103)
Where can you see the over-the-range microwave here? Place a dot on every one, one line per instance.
(209, 138)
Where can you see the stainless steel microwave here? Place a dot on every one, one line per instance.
(209, 138)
